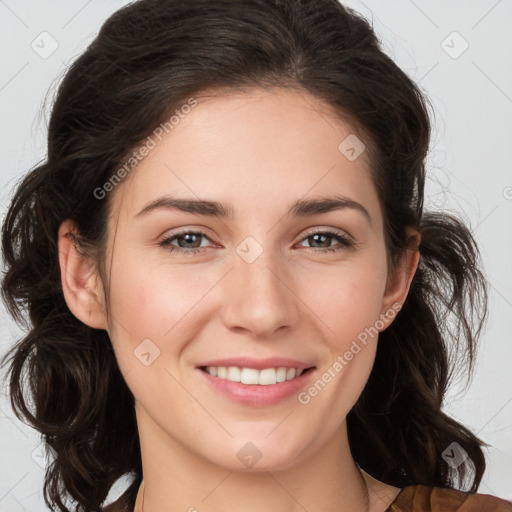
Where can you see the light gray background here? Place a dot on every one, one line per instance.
(469, 165)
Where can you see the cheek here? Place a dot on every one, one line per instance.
(346, 300)
(348, 313)
(153, 303)
(348, 305)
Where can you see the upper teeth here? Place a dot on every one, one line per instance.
(253, 376)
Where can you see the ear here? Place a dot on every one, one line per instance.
(398, 284)
(81, 285)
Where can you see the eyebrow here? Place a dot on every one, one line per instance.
(301, 208)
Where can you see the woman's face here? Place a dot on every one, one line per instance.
(268, 288)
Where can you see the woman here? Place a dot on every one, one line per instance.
(251, 369)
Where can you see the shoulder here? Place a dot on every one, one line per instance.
(421, 498)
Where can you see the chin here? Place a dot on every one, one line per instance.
(258, 456)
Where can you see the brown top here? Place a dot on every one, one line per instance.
(416, 498)
(422, 498)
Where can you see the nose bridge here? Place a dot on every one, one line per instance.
(260, 299)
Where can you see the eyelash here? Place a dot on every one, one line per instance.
(345, 243)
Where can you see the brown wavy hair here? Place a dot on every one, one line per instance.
(147, 58)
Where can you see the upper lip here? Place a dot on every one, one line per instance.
(257, 364)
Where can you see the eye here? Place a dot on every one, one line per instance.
(344, 241)
(190, 237)
(189, 242)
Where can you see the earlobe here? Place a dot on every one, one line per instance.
(398, 286)
(81, 285)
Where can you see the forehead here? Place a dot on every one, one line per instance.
(251, 150)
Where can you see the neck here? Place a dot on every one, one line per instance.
(366, 506)
(328, 480)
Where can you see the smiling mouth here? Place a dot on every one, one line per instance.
(251, 376)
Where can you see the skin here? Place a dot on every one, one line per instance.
(257, 152)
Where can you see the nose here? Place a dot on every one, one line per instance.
(260, 297)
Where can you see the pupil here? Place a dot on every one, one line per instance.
(318, 235)
(187, 238)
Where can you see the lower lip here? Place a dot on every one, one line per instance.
(257, 395)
